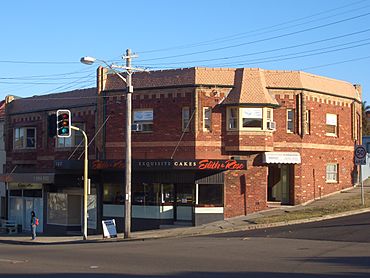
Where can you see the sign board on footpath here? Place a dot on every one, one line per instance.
(109, 228)
(360, 155)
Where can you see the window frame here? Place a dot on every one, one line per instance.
(146, 122)
(329, 172)
(308, 121)
(23, 138)
(230, 117)
(71, 139)
(328, 133)
(290, 120)
(207, 120)
(185, 119)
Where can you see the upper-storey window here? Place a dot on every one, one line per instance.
(290, 120)
(331, 124)
(252, 117)
(232, 115)
(24, 138)
(185, 118)
(143, 120)
(207, 118)
(307, 121)
(75, 139)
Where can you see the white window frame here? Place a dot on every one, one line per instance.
(70, 142)
(185, 118)
(332, 174)
(207, 120)
(331, 120)
(290, 120)
(145, 117)
(23, 139)
(232, 122)
(251, 113)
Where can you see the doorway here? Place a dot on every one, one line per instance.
(29, 205)
(184, 202)
(280, 183)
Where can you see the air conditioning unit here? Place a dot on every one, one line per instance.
(137, 127)
(271, 125)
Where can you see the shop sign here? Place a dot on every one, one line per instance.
(108, 164)
(14, 185)
(199, 164)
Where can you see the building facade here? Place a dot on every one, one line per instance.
(2, 162)
(295, 131)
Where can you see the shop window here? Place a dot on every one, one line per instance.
(185, 118)
(143, 120)
(74, 140)
(331, 124)
(112, 194)
(232, 118)
(207, 118)
(24, 138)
(168, 196)
(332, 173)
(146, 194)
(57, 212)
(17, 192)
(252, 117)
(185, 194)
(290, 120)
(32, 193)
(210, 194)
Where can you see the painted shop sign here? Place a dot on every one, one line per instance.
(163, 164)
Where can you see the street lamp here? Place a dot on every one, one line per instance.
(128, 80)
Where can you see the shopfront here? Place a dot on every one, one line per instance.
(281, 175)
(26, 194)
(166, 192)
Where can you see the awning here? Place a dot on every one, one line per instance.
(282, 157)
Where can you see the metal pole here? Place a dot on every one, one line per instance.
(362, 187)
(127, 230)
(86, 163)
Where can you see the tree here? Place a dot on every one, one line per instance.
(365, 126)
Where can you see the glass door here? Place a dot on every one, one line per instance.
(184, 202)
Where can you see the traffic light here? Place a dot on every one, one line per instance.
(64, 123)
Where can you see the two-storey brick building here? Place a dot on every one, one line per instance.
(295, 130)
(33, 183)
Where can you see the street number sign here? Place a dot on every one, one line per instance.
(360, 155)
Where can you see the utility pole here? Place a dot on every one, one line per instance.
(129, 92)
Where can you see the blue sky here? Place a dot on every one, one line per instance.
(42, 41)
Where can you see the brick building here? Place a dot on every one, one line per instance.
(207, 144)
(295, 130)
(33, 182)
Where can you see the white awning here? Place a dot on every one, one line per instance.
(282, 157)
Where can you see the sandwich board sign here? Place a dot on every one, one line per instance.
(360, 155)
(109, 228)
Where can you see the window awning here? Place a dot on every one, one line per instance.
(282, 157)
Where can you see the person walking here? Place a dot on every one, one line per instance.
(33, 225)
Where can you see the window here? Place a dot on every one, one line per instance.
(252, 117)
(290, 120)
(143, 119)
(185, 118)
(146, 194)
(210, 194)
(232, 118)
(331, 124)
(24, 138)
(332, 172)
(75, 139)
(112, 194)
(207, 118)
(307, 121)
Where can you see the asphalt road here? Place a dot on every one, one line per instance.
(323, 249)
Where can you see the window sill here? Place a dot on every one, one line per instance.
(331, 135)
(331, 181)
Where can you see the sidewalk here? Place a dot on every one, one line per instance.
(234, 224)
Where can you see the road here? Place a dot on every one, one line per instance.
(334, 248)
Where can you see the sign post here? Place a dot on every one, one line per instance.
(360, 159)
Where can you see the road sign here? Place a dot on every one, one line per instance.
(360, 155)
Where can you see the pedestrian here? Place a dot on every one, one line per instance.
(33, 225)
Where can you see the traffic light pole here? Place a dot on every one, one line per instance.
(86, 164)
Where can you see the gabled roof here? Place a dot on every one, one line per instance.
(65, 100)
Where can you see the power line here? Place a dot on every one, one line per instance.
(260, 40)
(252, 31)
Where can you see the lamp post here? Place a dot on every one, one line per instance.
(129, 91)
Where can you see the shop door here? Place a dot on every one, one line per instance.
(32, 204)
(184, 202)
(279, 183)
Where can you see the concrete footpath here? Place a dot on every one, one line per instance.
(233, 224)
